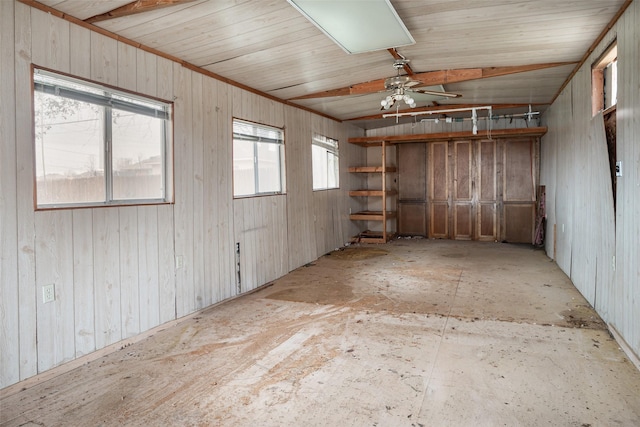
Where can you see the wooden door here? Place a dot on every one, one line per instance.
(439, 190)
(463, 189)
(412, 189)
(519, 191)
(484, 190)
(486, 227)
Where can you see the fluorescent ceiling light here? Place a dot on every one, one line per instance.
(357, 26)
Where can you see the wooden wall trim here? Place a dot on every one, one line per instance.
(372, 141)
(188, 65)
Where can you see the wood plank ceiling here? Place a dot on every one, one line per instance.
(270, 47)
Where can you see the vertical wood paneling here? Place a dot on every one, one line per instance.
(104, 59)
(166, 253)
(53, 251)
(222, 191)
(223, 188)
(80, 46)
(197, 207)
(210, 210)
(548, 157)
(564, 194)
(632, 38)
(320, 220)
(238, 239)
(583, 265)
(10, 358)
(130, 303)
(55, 320)
(164, 78)
(183, 167)
(258, 221)
(54, 53)
(24, 205)
(599, 252)
(106, 261)
(166, 264)
(602, 219)
(114, 268)
(127, 68)
(146, 76)
(148, 266)
(300, 197)
(628, 206)
(251, 213)
(83, 292)
(263, 229)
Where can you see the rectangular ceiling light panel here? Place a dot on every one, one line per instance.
(357, 26)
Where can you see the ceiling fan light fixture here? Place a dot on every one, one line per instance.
(357, 26)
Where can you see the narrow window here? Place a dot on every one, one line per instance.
(98, 146)
(258, 159)
(604, 74)
(325, 161)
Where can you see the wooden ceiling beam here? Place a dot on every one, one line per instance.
(138, 6)
(396, 55)
(434, 78)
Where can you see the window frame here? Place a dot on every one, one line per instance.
(598, 79)
(112, 98)
(256, 139)
(331, 147)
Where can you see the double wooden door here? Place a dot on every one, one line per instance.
(468, 190)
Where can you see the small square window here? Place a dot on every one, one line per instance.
(258, 159)
(326, 164)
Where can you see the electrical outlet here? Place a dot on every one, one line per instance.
(48, 293)
(179, 262)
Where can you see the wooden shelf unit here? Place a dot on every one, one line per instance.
(381, 216)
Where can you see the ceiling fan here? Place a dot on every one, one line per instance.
(402, 86)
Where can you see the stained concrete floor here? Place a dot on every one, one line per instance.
(412, 333)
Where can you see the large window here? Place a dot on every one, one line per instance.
(97, 146)
(258, 159)
(326, 167)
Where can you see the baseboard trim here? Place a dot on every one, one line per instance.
(633, 357)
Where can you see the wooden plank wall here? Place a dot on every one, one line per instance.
(10, 363)
(114, 269)
(597, 248)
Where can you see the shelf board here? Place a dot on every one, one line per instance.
(371, 169)
(371, 216)
(372, 193)
(376, 141)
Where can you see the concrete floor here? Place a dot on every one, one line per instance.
(412, 333)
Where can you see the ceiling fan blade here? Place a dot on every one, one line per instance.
(437, 93)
